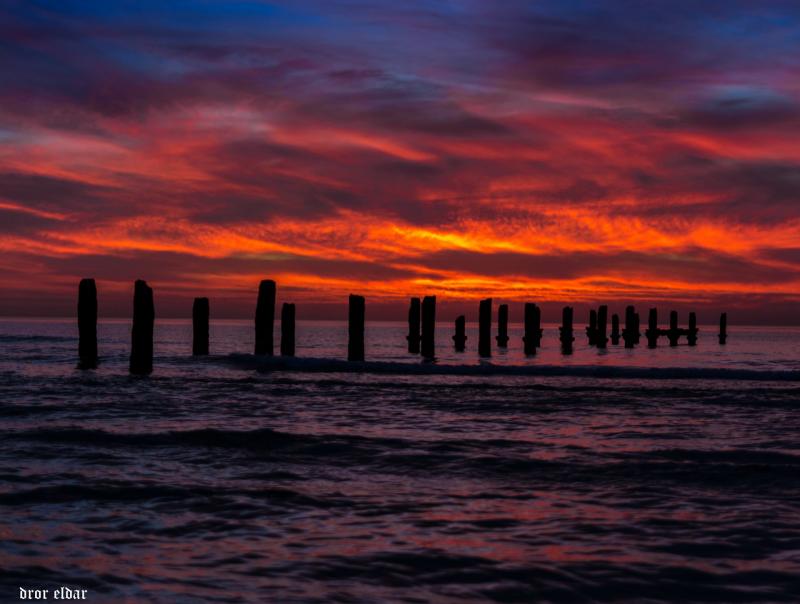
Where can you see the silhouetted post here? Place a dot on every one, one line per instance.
(427, 341)
(566, 330)
(413, 326)
(601, 339)
(723, 328)
(691, 335)
(355, 329)
(287, 329)
(674, 334)
(630, 327)
(652, 329)
(637, 325)
(144, 314)
(615, 329)
(533, 328)
(200, 312)
(502, 326)
(461, 336)
(87, 324)
(485, 328)
(265, 317)
(591, 329)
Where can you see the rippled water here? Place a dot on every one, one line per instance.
(215, 481)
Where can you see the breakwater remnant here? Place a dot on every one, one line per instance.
(355, 328)
(413, 326)
(428, 338)
(200, 314)
(460, 337)
(141, 360)
(265, 317)
(485, 328)
(533, 328)
(87, 324)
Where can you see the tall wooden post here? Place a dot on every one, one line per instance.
(265, 317)
(723, 328)
(287, 329)
(601, 339)
(502, 326)
(674, 333)
(413, 326)
(630, 327)
(200, 313)
(533, 328)
(141, 361)
(637, 325)
(615, 329)
(428, 340)
(566, 330)
(691, 334)
(591, 329)
(355, 328)
(87, 324)
(460, 338)
(652, 329)
(485, 328)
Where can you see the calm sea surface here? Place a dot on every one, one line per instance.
(517, 480)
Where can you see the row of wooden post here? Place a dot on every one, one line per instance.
(421, 327)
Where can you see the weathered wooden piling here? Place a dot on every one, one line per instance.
(460, 338)
(355, 328)
(723, 328)
(591, 329)
(691, 334)
(287, 329)
(673, 333)
(428, 340)
(200, 314)
(637, 334)
(566, 330)
(265, 317)
(413, 326)
(601, 339)
(533, 328)
(615, 329)
(652, 329)
(87, 324)
(502, 326)
(141, 361)
(485, 328)
(628, 333)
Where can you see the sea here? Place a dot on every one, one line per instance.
(664, 475)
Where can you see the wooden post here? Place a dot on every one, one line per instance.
(428, 341)
(692, 333)
(566, 330)
(615, 329)
(601, 339)
(355, 329)
(723, 328)
(674, 333)
(141, 361)
(265, 317)
(630, 327)
(200, 313)
(461, 336)
(637, 334)
(87, 324)
(485, 328)
(652, 329)
(413, 326)
(502, 326)
(287, 329)
(533, 328)
(591, 329)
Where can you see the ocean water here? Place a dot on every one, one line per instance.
(645, 476)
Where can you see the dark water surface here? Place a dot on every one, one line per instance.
(213, 482)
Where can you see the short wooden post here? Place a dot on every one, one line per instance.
(601, 339)
(615, 329)
(637, 325)
(630, 327)
(287, 329)
(265, 317)
(502, 326)
(413, 326)
(87, 324)
(674, 334)
(533, 328)
(652, 329)
(355, 328)
(591, 329)
(691, 335)
(485, 328)
(141, 361)
(200, 313)
(723, 328)
(428, 340)
(460, 338)
(566, 330)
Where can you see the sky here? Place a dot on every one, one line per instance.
(556, 151)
